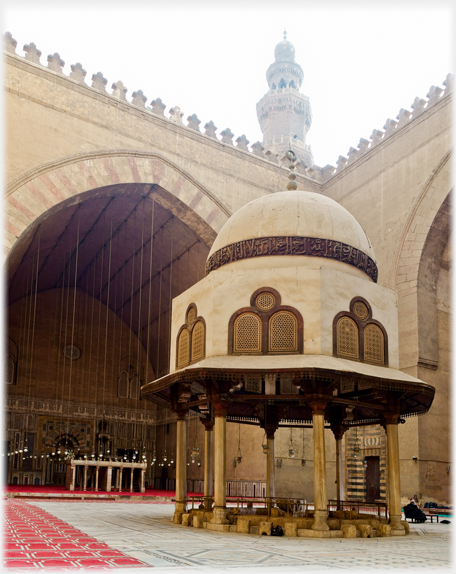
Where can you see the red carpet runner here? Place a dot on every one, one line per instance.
(34, 538)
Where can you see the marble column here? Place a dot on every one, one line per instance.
(143, 480)
(270, 468)
(84, 480)
(180, 506)
(120, 471)
(208, 465)
(109, 478)
(51, 471)
(97, 473)
(73, 477)
(338, 432)
(393, 472)
(220, 468)
(132, 471)
(320, 496)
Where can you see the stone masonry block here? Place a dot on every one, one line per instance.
(265, 528)
(243, 526)
(197, 521)
(365, 529)
(208, 516)
(384, 529)
(333, 523)
(186, 520)
(290, 529)
(349, 530)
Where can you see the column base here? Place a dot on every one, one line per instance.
(180, 508)
(320, 518)
(220, 515)
(395, 523)
(208, 502)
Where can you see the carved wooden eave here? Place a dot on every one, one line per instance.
(339, 383)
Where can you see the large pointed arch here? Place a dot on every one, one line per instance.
(427, 211)
(41, 189)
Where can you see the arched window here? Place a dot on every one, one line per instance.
(134, 386)
(374, 344)
(266, 326)
(10, 369)
(191, 339)
(347, 338)
(198, 342)
(183, 349)
(357, 336)
(123, 385)
(283, 333)
(247, 334)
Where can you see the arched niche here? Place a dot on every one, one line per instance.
(132, 246)
(433, 263)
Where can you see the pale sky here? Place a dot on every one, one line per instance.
(362, 61)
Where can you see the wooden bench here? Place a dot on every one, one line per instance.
(431, 516)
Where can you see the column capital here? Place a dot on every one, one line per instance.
(219, 410)
(390, 418)
(269, 420)
(338, 431)
(208, 424)
(270, 428)
(318, 406)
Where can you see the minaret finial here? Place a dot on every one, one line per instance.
(285, 34)
(291, 156)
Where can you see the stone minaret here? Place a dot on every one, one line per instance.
(284, 113)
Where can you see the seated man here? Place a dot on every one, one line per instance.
(412, 511)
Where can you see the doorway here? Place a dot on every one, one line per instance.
(372, 478)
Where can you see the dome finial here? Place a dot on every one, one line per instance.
(285, 34)
(291, 156)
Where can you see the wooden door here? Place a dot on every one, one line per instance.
(372, 478)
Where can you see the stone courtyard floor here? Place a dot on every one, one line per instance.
(138, 535)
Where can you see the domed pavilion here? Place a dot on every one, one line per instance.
(289, 325)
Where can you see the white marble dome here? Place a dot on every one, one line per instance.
(293, 214)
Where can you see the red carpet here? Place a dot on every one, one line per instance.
(36, 539)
